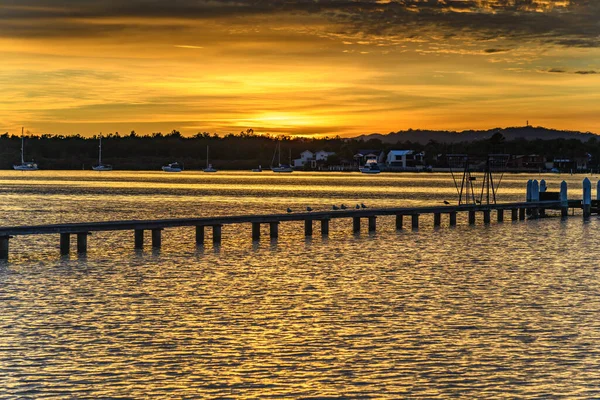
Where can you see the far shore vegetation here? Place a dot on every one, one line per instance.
(247, 150)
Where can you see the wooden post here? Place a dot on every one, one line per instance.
(274, 229)
(65, 244)
(356, 224)
(324, 227)
(528, 195)
(471, 217)
(308, 227)
(437, 219)
(453, 218)
(514, 214)
(415, 221)
(255, 231)
(522, 213)
(564, 200)
(372, 224)
(587, 198)
(535, 197)
(543, 186)
(4, 247)
(486, 217)
(399, 221)
(156, 237)
(500, 215)
(82, 242)
(139, 238)
(217, 234)
(200, 234)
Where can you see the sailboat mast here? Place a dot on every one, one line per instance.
(22, 146)
(100, 150)
(206, 156)
(279, 148)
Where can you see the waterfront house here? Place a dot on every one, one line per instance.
(404, 159)
(368, 156)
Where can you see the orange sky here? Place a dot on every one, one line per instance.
(297, 67)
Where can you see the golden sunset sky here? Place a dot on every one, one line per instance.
(296, 67)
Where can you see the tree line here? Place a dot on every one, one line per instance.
(247, 150)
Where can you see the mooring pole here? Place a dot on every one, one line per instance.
(587, 198)
(564, 200)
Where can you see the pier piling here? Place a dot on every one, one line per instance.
(274, 229)
(325, 227)
(82, 242)
(587, 199)
(437, 219)
(4, 247)
(372, 224)
(471, 217)
(453, 218)
(139, 238)
(65, 244)
(500, 215)
(156, 237)
(217, 230)
(514, 214)
(356, 224)
(564, 201)
(199, 234)
(255, 231)
(308, 227)
(399, 221)
(486, 217)
(522, 211)
(415, 221)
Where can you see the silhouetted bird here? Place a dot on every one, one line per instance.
(357, 207)
(308, 208)
(446, 202)
(335, 207)
(478, 201)
(363, 205)
(343, 207)
(289, 210)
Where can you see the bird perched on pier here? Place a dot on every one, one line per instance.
(357, 207)
(362, 205)
(335, 207)
(478, 201)
(446, 202)
(343, 207)
(289, 210)
(309, 208)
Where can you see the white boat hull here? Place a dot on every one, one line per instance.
(171, 169)
(26, 167)
(102, 168)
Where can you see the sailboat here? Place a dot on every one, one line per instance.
(209, 167)
(172, 167)
(25, 166)
(280, 167)
(100, 166)
(259, 169)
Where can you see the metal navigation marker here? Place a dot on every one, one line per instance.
(486, 166)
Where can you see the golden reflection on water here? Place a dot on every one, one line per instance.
(504, 311)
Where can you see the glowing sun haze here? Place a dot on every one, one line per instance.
(298, 67)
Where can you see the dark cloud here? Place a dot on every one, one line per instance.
(493, 51)
(557, 71)
(591, 72)
(570, 23)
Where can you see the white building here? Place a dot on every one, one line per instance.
(404, 158)
(307, 157)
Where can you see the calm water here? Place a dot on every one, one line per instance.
(504, 311)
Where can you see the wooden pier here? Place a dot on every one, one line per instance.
(81, 231)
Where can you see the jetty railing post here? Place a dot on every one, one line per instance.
(156, 237)
(535, 197)
(415, 221)
(437, 219)
(139, 238)
(4, 247)
(255, 231)
(471, 217)
(500, 213)
(564, 200)
(308, 227)
(325, 227)
(399, 221)
(486, 217)
(200, 234)
(453, 218)
(274, 229)
(587, 198)
(356, 224)
(514, 214)
(82, 242)
(528, 194)
(372, 224)
(522, 211)
(217, 230)
(543, 186)
(65, 244)
(597, 210)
